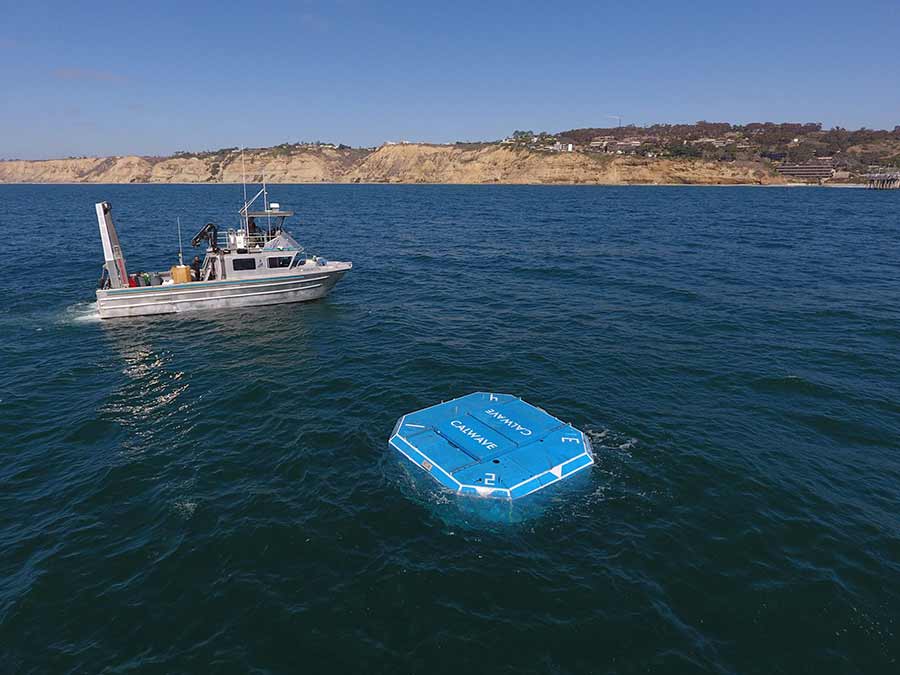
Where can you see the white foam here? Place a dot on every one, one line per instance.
(611, 440)
(186, 508)
(82, 312)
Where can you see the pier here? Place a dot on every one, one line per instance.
(883, 181)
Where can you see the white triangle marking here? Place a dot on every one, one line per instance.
(557, 470)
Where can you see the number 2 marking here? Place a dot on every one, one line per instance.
(490, 479)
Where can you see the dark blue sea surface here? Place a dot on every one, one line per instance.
(214, 492)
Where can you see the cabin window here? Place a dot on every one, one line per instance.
(242, 264)
(280, 261)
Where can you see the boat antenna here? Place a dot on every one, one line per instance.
(180, 249)
(244, 181)
(266, 205)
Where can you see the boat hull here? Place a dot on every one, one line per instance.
(207, 295)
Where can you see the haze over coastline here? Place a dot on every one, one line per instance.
(112, 80)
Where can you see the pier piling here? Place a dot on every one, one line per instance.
(883, 181)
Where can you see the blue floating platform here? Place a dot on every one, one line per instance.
(491, 445)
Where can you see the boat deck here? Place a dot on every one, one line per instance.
(288, 274)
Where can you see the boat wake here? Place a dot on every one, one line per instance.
(81, 312)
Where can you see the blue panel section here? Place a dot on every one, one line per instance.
(517, 420)
(533, 460)
(438, 451)
(576, 464)
(500, 473)
(491, 445)
(481, 397)
(563, 444)
(525, 488)
(472, 436)
(436, 471)
(405, 448)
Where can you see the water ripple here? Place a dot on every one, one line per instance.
(215, 492)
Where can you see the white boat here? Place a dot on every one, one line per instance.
(244, 267)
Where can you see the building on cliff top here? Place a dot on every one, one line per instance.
(820, 168)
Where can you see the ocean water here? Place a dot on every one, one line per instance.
(215, 493)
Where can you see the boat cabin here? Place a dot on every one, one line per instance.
(261, 248)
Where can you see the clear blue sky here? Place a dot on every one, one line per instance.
(155, 77)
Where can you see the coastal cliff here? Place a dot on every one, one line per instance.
(396, 163)
(411, 163)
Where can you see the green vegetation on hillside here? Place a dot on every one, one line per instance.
(853, 150)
